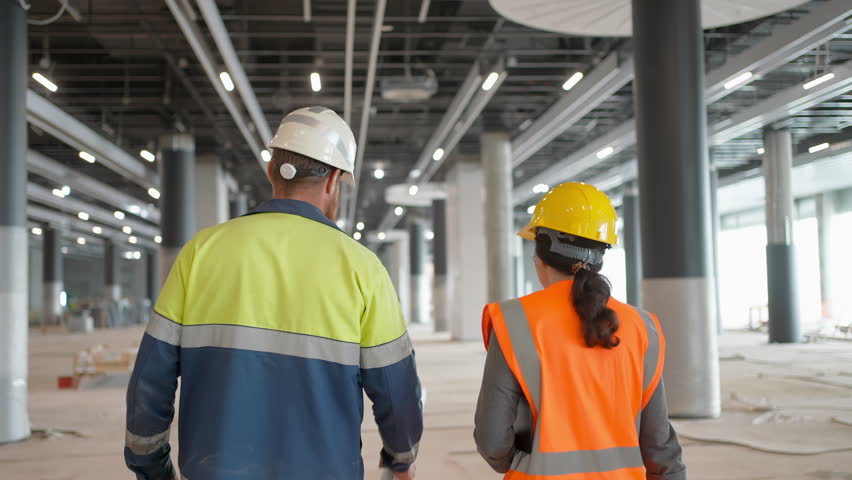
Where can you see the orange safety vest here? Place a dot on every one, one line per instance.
(586, 402)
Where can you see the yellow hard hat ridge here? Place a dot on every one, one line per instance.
(577, 209)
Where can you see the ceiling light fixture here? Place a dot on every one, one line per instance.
(439, 154)
(118, 214)
(158, 239)
(83, 216)
(356, 235)
(132, 239)
(572, 81)
(154, 193)
(225, 77)
(820, 147)
(265, 155)
(541, 188)
(126, 229)
(490, 81)
(379, 173)
(36, 231)
(66, 190)
(81, 241)
(605, 153)
(97, 230)
(45, 82)
(147, 155)
(316, 82)
(359, 226)
(87, 156)
(739, 79)
(531, 209)
(761, 151)
(412, 190)
(398, 211)
(813, 83)
(381, 236)
(430, 235)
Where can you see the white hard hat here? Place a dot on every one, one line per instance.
(318, 133)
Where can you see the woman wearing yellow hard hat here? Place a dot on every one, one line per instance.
(572, 387)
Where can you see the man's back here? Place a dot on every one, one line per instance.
(275, 319)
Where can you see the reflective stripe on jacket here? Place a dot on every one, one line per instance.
(276, 323)
(585, 403)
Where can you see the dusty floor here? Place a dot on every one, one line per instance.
(793, 399)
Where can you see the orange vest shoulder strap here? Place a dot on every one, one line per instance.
(655, 353)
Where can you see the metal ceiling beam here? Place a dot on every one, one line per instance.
(63, 175)
(826, 21)
(610, 76)
(775, 107)
(349, 55)
(202, 52)
(39, 194)
(213, 18)
(53, 120)
(375, 42)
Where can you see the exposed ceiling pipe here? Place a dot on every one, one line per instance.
(350, 51)
(59, 124)
(56, 172)
(39, 194)
(306, 10)
(424, 11)
(213, 18)
(368, 99)
(196, 41)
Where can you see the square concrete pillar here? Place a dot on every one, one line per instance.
(466, 277)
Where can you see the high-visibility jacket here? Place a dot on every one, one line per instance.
(586, 403)
(276, 324)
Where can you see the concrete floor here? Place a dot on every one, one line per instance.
(791, 399)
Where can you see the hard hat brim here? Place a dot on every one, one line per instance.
(528, 232)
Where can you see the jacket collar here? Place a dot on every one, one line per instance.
(293, 207)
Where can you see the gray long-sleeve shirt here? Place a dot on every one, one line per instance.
(503, 423)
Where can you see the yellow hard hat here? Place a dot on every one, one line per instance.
(576, 209)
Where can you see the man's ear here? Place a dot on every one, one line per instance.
(270, 172)
(332, 181)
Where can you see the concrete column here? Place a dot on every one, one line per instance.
(177, 200)
(14, 420)
(496, 152)
(239, 206)
(467, 278)
(421, 302)
(52, 276)
(716, 219)
(395, 255)
(780, 252)
(439, 260)
(632, 243)
(112, 275)
(211, 192)
(674, 180)
(152, 274)
(825, 214)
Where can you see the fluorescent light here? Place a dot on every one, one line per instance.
(97, 230)
(430, 235)
(379, 173)
(118, 214)
(572, 81)
(137, 255)
(154, 193)
(66, 190)
(58, 193)
(416, 172)
(605, 153)
(398, 211)
(132, 239)
(742, 78)
(147, 155)
(357, 235)
(65, 250)
(813, 83)
(439, 154)
(158, 239)
(341, 223)
(381, 236)
(87, 156)
(134, 209)
(81, 241)
(128, 255)
(412, 190)
(36, 231)
(531, 209)
(359, 226)
(83, 216)
(265, 155)
(226, 81)
(63, 295)
(316, 82)
(45, 82)
(126, 229)
(820, 147)
(541, 188)
(761, 151)
(490, 81)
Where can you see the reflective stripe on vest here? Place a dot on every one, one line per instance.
(540, 463)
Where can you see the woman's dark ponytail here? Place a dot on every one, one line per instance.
(590, 293)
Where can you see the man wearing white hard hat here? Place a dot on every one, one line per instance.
(276, 322)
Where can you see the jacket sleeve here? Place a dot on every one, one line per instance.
(496, 416)
(151, 391)
(389, 374)
(661, 452)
